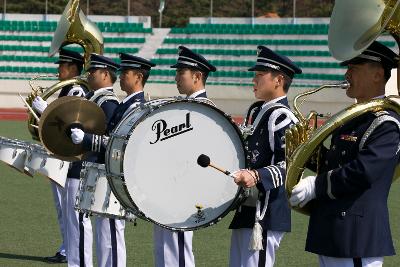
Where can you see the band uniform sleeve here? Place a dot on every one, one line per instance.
(273, 174)
(94, 142)
(376, 159)
(108, 107)
(98, 143)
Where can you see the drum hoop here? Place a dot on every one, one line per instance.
(38, 149)
(13, 142)
(239, 196)
(121, 201)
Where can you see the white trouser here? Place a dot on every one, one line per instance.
(240, 255)
(58, 196)
(110, 242)
(79, 237)
(349, 262)
(172, 248)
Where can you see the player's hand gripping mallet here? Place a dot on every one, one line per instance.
(204, 161)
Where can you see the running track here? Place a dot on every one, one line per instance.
(13, 114)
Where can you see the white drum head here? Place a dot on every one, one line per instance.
(160, 165)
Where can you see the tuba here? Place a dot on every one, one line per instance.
(73, 28)
(354, 26)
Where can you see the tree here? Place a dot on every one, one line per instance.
(178, 12)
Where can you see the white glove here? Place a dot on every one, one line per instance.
(303, 192)
(77, 136)
(39, 104)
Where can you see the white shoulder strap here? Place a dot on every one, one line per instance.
(377, 121)
(102, 96)
(263, 111)
(273, 127)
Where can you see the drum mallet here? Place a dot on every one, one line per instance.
(204, 161)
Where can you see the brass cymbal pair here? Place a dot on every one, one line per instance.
(63, 114)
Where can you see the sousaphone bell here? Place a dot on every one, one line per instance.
(356, 24)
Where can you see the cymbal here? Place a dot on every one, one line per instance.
(62, 115)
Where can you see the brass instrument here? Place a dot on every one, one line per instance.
(354, 26)
(302, 131)
(73, 27)
(45, 93)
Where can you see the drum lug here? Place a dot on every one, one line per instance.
(43, 163)
(92, 198)
(77, 201)
(116, 154)
(130, 217)
(90, 188)
(14, 154)
(61, 164)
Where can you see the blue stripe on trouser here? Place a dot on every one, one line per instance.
(81, 241)
(113, 243)
(262, 254)
(181, 248)
(357, 262)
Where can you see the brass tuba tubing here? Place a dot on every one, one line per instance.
(304, 151)
(73, 28)
(299, 134)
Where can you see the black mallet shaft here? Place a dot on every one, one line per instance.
(204, 161)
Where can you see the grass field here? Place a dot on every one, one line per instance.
(29, 231)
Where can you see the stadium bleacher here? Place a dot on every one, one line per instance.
(24, 45)
(231, 47)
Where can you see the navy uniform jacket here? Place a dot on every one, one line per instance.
(119, 112)
(108, 108)
(122, 108)
(266, 154)
(349, 217)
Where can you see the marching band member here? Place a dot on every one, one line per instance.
(175, 248)
(101, 78)
(192, 71)
(349, 221)
(260, 222)
(134, 74)
(70, 65)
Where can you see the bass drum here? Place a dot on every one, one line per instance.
(151, 163)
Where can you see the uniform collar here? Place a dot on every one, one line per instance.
(194, 95)
(104, 89)
(273, 101)
(126, 99)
